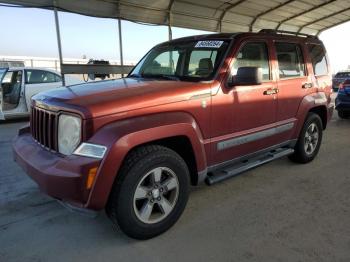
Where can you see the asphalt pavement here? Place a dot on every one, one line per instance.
(278, 212)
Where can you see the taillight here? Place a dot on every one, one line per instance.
(343, 84)
(346, 82)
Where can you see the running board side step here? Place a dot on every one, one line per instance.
(245, 165)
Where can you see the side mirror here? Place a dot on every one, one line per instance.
(247, 76)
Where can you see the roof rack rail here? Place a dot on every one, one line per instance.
(282, 32)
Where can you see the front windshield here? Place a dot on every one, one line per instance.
(187, 61)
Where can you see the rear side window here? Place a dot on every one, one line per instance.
(253, 55)
(318, 59)
(290, 60)
(41, 76)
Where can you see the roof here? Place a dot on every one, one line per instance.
(263, 32)
(218, 36)
(30, 68)
(306, 16)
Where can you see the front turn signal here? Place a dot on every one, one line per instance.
(91, 177)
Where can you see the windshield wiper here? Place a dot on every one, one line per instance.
(168, 77)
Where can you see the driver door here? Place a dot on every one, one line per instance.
(3, 72)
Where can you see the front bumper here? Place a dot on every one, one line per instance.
(61, 177)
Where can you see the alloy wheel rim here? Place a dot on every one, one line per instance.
(156, 195)
(311, 139)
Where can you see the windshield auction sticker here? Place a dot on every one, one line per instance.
(209, 44)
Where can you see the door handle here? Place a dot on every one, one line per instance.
(271, 91)
(307, 85)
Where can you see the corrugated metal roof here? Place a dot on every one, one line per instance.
(311, 17)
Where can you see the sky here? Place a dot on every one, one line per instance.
(31, 32)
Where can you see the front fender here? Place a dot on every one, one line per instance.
(122, 136)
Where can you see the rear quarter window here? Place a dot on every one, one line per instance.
(318, 59)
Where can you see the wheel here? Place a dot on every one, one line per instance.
(309, 140)
(150, 193)
(343, 114)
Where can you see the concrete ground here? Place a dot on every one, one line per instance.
(278, 212)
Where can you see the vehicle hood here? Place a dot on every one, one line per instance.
(103, 98)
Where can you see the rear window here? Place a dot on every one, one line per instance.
(290, 60)
(342, 75)
(318, 59)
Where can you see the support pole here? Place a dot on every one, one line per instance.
(120, 43)
(170, 32)
(57, 23)
(170, 35)
(169, 18)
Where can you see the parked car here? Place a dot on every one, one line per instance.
(342, 102)
(18, 85)
(201, 108)
(339, 78)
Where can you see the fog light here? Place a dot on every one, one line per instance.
(91, 150)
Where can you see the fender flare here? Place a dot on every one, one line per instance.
(122, 136)
(308, 103)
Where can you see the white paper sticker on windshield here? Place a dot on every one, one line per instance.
(209, 44)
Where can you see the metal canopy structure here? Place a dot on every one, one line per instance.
(300, 16)
(311, 17)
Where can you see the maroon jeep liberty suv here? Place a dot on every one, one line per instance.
(201, 108)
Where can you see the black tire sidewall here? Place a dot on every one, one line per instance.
(300, 154)
(126, 217)
(343, 114)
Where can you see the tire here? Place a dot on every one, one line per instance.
(306, 148)
(140, 189)
(343, 114)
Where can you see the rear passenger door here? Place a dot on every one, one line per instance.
(294, 82)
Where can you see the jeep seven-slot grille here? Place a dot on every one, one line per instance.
(43, 125)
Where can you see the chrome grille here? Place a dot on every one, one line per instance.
(43, 125)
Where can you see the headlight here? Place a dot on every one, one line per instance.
(69, 132)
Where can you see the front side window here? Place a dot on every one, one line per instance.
(318, 59)
(253, 55)
(2, 73)
(290, 60)
(11, 88)
(13, 77)
(41, 76)
(184, 61)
